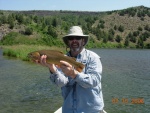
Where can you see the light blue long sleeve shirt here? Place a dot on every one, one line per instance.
(84, 93)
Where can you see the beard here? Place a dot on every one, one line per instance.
(75, 47)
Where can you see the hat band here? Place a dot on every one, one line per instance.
(74, 38)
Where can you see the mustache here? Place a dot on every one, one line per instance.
(76, 43)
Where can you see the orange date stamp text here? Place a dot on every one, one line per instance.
(128, 101)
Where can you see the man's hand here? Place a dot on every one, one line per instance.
(68, 69)
(51, 67)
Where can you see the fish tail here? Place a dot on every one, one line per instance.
(80, 67)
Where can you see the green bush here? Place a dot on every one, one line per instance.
(9, 38)
(28, 31)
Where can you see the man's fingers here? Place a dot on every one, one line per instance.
(64, 63)
(58, 66)
(43, 60)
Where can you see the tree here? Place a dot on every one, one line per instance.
(27, 21)
(3, 19)
(144, 36)
(133, 39)
(51, 31)
(98, 33)
(28, 31)
(54, 22)
(118, 38)
(140, 28)
(121, 13)
(10, 19)
(115, 27)
(104, 35)
(147, 27)
(148, 13)
(105, 39)
(20, 18)
(148, 46)
(126, 43)
(110, 37)
(0, 23)
(11, 25)
(140, 43)
(135, 33)
(111, 31)
(121, 28)
(101, 26)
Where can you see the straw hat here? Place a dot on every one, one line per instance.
(75, 31)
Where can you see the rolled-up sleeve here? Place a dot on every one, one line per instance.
(59, 78)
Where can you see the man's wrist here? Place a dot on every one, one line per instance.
(75, 73)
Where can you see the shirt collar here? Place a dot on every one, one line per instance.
(79, 55)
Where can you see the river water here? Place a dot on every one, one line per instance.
(26, 88)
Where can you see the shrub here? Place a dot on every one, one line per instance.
(121, 28)
(140, 28)
(9, 38)
(118, 38)
(28, 31)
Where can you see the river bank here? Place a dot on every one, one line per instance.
(21, 51)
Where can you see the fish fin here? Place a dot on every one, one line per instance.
(80, 67)
(73, 58)
(50, 51)
(59, 52)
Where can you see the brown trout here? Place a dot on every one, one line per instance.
(54, 57)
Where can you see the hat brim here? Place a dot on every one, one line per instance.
(76, 35)
(65, 38)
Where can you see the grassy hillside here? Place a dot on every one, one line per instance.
(128, 28)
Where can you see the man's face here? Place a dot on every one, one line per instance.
(75, 43)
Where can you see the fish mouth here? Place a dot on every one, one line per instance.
(28, 56)
(31, 58)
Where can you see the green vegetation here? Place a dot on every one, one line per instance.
(128, 28)
(21, 51)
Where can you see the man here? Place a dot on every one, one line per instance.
(81, 91)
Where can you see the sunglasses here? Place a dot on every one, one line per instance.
(74, 37)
